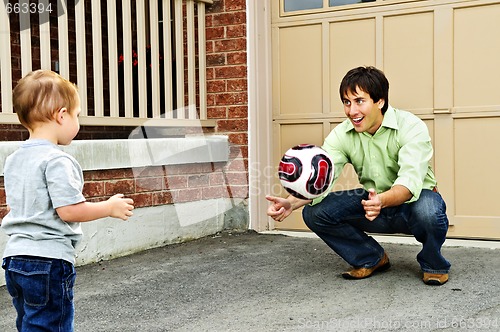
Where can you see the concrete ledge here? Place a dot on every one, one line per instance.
(125, 153)
(402, 239)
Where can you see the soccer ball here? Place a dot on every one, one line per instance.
(306, 171)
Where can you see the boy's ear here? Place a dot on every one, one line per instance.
(61, 114)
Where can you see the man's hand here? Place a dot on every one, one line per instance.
(372, 205)
(280, 209)
(395, 196)
(283, 207)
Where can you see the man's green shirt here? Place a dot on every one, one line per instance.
(399, 153)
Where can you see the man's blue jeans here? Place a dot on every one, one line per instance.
(339, 220)
(42, 292)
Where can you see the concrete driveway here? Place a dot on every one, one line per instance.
(267, 282)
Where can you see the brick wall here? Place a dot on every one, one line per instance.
(160, 185)
(227, 96)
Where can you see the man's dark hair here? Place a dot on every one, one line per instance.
(368, 79)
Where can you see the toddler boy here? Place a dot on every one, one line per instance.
(43, 187)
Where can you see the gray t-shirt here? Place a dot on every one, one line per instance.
(39, 177)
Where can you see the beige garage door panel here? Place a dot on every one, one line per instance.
(347, 53)
(476, 167)
(477, 54)
(303, 133)
(300, 88)
(408, 61)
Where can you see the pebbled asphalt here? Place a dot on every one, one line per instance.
(260, 282)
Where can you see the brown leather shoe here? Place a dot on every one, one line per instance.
(435, 279)
(365, 272)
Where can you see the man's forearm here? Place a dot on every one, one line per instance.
(395, 196)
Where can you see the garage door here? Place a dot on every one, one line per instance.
(441, 59)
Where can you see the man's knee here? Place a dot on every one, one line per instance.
(316, 218)
(309, 217)
(430, 211)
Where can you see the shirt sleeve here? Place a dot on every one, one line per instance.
(333, 146)
(64, 181)
(414, 157)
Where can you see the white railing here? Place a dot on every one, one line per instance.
(127, 105)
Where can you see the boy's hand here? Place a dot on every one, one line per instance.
(120, 207)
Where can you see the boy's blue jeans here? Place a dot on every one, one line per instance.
(339, 220)
(42, 292)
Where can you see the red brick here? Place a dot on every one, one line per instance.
(198, 181)
(188, 195)
(238, 164)
(225, 19)
(227, 45)
(210, 72)
(244, 150)
(208, 20)
(238, 112)
(215, 192)
(162, 198)
(216, 178)
(119, 187)
(3, 212)
(231, 98)
(214, 33)
(237, 85)
(235, 179)
(239, 191)
(232, 5)
(232, 125)
(238, 138)
(231, 72)
(149, 184)
(216, 112)
(2, 196)
(233, 31)
(211, 100)
(175, 182)
(209, 47)
(235, 152)
(216, 86)
(216, 59)
(93, 189)
(236, 58)
(142, 200)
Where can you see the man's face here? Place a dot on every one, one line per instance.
(364, 113)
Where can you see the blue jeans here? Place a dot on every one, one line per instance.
(339, 220)
(42, 292)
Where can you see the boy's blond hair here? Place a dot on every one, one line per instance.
(40, 94)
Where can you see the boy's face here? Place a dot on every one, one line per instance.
(364, 113)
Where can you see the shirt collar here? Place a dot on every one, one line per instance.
(389, 120)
